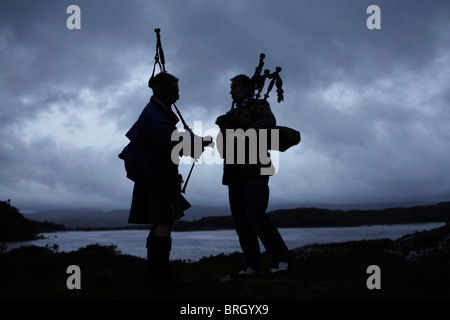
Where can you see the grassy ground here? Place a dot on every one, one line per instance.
(40, 273)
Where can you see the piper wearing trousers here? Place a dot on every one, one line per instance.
(248, 189)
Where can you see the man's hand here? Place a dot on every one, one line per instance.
(204, 142)
(208, 142)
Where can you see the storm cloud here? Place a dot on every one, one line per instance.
(372, 105)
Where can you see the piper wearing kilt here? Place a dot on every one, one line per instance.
(157, 198)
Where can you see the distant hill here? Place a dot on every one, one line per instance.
(94, 218)
(317, 217)
(210, 218)
(15, 227)
(83, 218)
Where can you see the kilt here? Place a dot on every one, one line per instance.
(150, 208)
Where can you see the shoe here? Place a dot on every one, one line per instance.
(281, 268)
(247, 273)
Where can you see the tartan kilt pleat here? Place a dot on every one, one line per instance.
(150, 208)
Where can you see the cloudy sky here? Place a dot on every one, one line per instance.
(372, 105)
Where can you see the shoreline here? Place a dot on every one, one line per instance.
(412, 267)
(147, 227)
(195, 245)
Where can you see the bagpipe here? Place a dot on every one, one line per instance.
(286, 137)
(160, 61)
(134, 168)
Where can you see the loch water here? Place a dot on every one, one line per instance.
(193, 245)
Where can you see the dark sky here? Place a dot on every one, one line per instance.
(372, 105)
